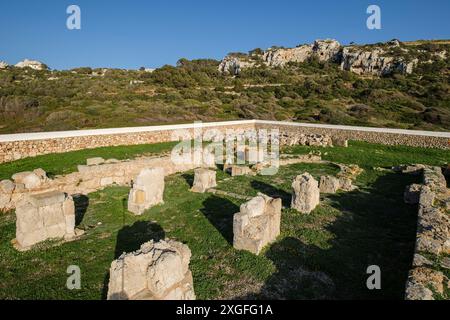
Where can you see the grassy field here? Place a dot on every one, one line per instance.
(322, 255)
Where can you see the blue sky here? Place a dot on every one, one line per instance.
(135, 33)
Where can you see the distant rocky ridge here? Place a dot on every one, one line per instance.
(374, 60)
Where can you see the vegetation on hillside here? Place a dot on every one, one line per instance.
(33, 100)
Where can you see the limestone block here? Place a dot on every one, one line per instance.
(204, 179)
(240, 171)
(340, 142)
(329, 184)
(95, 161)
(412, 194)
(257, 223)
(346, 184)
(29, 179)
(306, 193)
(147, 191)
(6, 191)
(157, 271)
(43, 216)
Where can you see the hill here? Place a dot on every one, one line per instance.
(393, 84)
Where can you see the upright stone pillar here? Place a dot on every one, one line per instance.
(147, 191)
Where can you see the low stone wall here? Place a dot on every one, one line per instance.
(19, 146)
(426, 279)
(411, 138)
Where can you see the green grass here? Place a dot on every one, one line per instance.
(321, 255)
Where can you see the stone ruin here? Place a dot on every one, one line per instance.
(294, 139)
(433, 233)
(343, 181)
(329, 184)
(306, 193)
(204, 179)
(147, 190)
(44, 216)
(257, 223)
(157, 271)
(90, 178)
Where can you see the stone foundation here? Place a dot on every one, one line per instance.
(433, 234)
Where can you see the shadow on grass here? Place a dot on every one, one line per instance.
(189, 178)
(81, 204)
(220, 211)
(272, 191)
(130, 238)
(375, 227)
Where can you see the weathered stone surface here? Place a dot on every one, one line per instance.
(157, 271)
(30, 179)
(240, 171)
(147, 191)
(412, 194)
(340, 142)
(306, 193)
(295, 138)
(329, 184)
(95, 161)
(204, 179)
(375, 61)
(434, 179)
(416, 291)
(6, 186)
(420, 261)
(49, 215)
(257, 223)
(433, 237)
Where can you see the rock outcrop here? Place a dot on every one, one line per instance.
(374, 59)
(157, 271)
(49, 215)
(3, 65)
(36, 65)
(306, 193)
(257, 223)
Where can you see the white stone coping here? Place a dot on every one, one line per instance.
(113, 131)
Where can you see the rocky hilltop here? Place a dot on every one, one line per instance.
(379, 59)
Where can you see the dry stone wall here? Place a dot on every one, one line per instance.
(426, 281)
(14, 147)
(340, 134)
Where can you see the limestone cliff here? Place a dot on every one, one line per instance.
(379, 59)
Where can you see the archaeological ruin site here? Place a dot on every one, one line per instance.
(235, 210)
